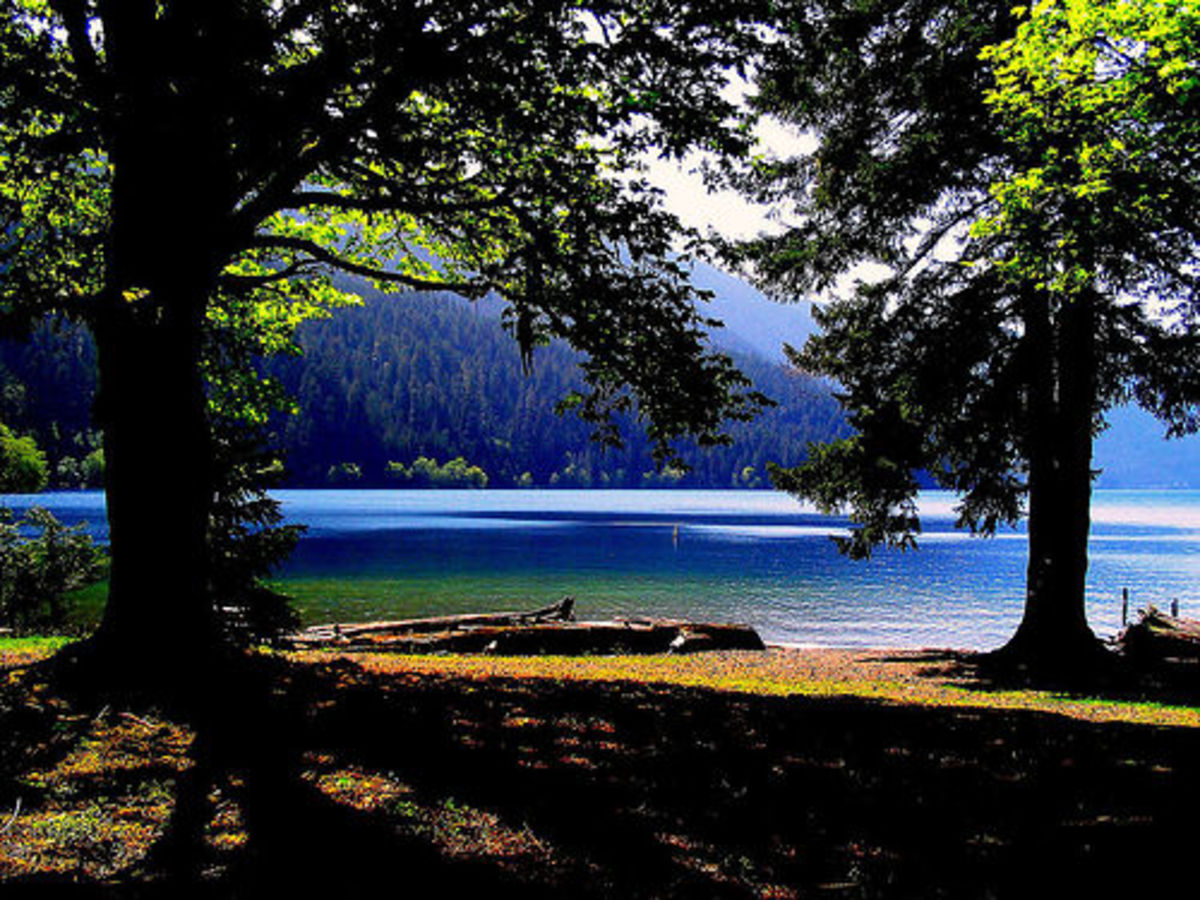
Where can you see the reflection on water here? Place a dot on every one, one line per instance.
(752, 556)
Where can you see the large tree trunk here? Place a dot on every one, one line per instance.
(158, 485)
(1054, 633)
(170, 200)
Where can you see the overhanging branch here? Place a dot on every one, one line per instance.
(331, 200)
(468, 288)
(256, 281)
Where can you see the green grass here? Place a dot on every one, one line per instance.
(36, 643)
(87, 605)
(776, 674)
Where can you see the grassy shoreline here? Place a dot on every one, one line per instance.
(920, 677)
(929, 678)
(740, 775)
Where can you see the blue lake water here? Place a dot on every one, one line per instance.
(747, 556)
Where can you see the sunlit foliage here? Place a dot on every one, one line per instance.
(22, 464)
(1002, 210)
(1100, 103)
(187, 179)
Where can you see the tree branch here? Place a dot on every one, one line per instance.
(255, 281)
(328, 257)
(934, 237)
(87, 65)
(304, 198)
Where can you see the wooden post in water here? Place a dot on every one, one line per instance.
(1124, 607)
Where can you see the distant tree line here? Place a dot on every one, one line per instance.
(42, 561)
(423, 376)
(425, 472)
(420, 390)
(47, 385)
(22, 465)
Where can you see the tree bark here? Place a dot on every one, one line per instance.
(169, 204)
(158, 490)
(1061, 402)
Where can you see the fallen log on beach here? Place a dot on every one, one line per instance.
(1156, 636)
(562, 611)
(551, 630)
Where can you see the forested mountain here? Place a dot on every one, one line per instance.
(47, 386)
(417, 375)
(421, 377)
(752, 322)
(1132, 453)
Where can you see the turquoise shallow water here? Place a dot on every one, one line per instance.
(749, 556)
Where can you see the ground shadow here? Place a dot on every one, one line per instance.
(1115, 676)
(440, 786)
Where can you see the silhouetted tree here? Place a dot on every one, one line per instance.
(1032, 218)
(164, 161)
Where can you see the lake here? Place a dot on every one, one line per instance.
(746, 556)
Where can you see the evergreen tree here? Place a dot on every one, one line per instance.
(1028, 197)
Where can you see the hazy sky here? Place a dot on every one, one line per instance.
(726, 211)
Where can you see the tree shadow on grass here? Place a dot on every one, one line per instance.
(1112, 676)
(348, 781)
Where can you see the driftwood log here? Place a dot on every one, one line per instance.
(551, 629)
(562, 611)
(1156, 636)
